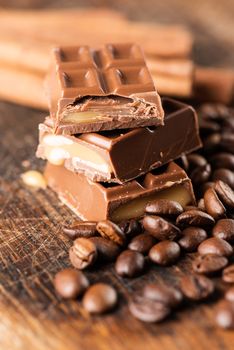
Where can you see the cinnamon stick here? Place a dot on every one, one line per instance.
(214, 84)
(22, 87)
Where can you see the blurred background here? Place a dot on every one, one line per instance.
(180, 39)
(212, 18)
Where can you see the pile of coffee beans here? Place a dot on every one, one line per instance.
(215, 160)
(166, 232)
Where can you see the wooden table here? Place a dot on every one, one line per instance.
(33, 248)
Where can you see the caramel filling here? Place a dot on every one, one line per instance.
(82, 117)
(58, 148)
(135, 208)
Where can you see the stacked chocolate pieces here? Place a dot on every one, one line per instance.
(110, 141)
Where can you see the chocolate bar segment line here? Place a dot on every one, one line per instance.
(119, 156)
(101, 89)
(99, 201)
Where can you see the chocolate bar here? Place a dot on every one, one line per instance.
(101, 89)
(121, 155)
(99, 201)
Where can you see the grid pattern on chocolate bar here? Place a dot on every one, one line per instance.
(113, 69)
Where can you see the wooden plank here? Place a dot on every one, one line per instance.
(33, 249)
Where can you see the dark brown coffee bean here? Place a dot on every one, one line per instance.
(214, 111)
(148, 310)
(228, 127)
(107, 250)
(209, 264)
(164, 207)
(196, 160)
(225, 193)
(212, 143)
(215, 245)
(191, 207)
(229, 295)
(129, 264)
(194, 218)
(70, 283)
(224, 229)
(110, 230)
(196, 287)
(142, 243)
(213, 205)
(183, 162)
(201, 204)
(222, 160)
(228, 274)
(100, 298)
(203, 187)
(169, 296)
(208, 127)
(80, 229)
(83, 253)
(191, 238)
(201, 174)
(165, 253)
(227, 142)
(225, 175)
(160, 228)
(224, 315)
(131, 227)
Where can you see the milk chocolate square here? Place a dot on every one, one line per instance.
(101, 89)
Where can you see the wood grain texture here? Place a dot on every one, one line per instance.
(33, 248)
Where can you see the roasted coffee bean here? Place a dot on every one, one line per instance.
(194, 218)
(160, 228)
(196, 287)
(130, 264)
(110, 230)
(224, 229)
(169, 296)
(100, 298)
(213, 205)
(107, 250)
(228, 127)
(131, 227)
(224, 315)
(225, 175)
(165, 253)
(208, 127)
(201, 204)
(229, 295)
(209, 264)
(203, 187)
(212, 143)
(80, 229)
(228, 274)
(70, 283)
(191, 238)
(227, 142)
(201, 174)
(191, 207)
(215, 245)
(83, 253)
(222, 160)
(142, 243)
(225, 193)
(164, 207)
(196, 160)
(148, 310)
(183, 162)
(214, 111)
